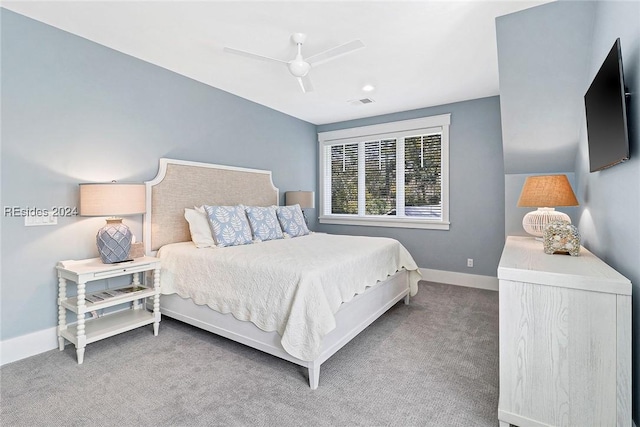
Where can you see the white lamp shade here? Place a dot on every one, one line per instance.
(112, 199)
(306, 199)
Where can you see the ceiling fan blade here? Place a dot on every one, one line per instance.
(252, 55)
(305, 84)
(334, 52)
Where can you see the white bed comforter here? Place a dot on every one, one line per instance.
(292, 286)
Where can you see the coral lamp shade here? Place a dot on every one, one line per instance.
(547, 191)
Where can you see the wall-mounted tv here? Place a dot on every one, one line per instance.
(606, 110)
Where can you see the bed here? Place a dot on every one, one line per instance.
(317, 320)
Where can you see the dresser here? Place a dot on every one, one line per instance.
(565, 339)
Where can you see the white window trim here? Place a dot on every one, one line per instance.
(389, 130)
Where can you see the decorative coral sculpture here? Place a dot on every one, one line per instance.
(560, 237)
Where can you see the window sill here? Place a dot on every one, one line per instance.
(385, 222)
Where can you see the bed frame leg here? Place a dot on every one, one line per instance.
(407, 299)
(314, 375)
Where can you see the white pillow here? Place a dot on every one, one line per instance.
(199, 227)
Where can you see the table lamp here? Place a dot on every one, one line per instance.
(306, 200)
(114, 200)
(545, 192)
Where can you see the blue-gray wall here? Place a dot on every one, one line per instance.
(609, 219)
(74, 111)
(549, 70)
(542, 60)
(476, 191)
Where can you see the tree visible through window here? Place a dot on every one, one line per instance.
(344, 179)
(397, 177)
(423, 176)
(380, 177)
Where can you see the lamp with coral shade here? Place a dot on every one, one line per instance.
(545, 192)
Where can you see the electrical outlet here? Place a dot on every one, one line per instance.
(469, 262)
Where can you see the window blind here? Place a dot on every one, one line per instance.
(380, 177)
(423, 176)
(344, 179)
(390, 174)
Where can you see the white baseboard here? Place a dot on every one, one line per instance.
(32, 344)
(460, 279)
(28, 345)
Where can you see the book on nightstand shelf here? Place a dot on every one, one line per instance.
(111, 293)
(93, 298)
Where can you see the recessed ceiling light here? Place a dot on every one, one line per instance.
(368, 88)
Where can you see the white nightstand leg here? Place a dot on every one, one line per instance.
(80, 354)
(156, 301)
(80, 336)
(135, 282)
(62, 312)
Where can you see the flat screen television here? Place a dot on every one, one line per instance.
(606, 110)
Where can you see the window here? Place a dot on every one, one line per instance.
(389, 175)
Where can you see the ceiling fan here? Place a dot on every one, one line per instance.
(299, 67)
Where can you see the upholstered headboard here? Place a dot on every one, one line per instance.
(182, 184)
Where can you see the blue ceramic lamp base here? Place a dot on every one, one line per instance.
(114, 241)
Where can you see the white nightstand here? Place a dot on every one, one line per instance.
(90, 330)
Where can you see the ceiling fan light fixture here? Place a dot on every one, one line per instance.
(299, 68)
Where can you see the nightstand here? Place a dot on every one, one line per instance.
(86, 331)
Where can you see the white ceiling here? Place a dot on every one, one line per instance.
(417, 54)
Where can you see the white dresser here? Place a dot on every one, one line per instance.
(565, 339)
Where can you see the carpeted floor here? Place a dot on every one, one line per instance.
(432, 363)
